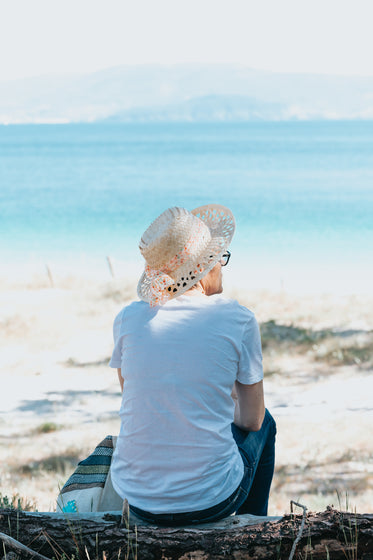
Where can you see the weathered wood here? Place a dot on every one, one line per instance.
(19, 549)
(108, 517)
(330, 534)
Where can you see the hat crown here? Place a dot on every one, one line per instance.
(172, 238)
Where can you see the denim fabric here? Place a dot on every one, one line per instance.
(258, 454)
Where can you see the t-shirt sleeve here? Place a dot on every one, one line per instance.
(250, 368)
(116, 358)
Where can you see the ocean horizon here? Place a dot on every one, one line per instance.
(301, 193)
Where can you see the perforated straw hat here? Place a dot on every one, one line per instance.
(180, 248)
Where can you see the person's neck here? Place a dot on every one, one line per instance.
(195, 291)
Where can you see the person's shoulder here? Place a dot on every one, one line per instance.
(233, 306)
(231, 303)
(136, 306)
(132, 308)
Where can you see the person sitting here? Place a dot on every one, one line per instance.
(196, 443)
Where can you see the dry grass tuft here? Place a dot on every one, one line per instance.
(60, 464)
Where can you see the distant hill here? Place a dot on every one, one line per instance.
(189, 92)
(209, 108)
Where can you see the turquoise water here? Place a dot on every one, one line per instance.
(302, 193)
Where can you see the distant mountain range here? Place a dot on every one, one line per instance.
(185, 93)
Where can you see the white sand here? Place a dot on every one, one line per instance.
(54, 347)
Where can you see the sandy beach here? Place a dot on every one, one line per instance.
(60, 398)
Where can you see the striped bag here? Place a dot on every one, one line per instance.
(84, 490)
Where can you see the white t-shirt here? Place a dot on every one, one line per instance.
(175, 451)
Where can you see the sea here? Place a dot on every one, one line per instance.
(72, 195)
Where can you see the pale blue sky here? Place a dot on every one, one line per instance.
(49, 36)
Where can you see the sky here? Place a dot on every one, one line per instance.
(316, 36)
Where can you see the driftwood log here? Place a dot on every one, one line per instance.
(330, 534)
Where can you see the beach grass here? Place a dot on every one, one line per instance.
(335, 347)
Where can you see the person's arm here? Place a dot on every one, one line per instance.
(120, 378)
(249, 406)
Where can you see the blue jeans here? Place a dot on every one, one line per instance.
(258, 454)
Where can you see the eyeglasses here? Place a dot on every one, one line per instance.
(225, 258)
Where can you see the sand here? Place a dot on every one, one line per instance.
(60, 398)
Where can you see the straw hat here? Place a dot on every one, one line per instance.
(180, 248)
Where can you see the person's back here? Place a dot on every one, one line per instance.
(179, 362)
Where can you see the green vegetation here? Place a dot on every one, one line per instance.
(47, 427)
(71, 362)
(16, 502)
(332, 347)
(62, 464)
(349, 531)
(359, 354)
(274, 334)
